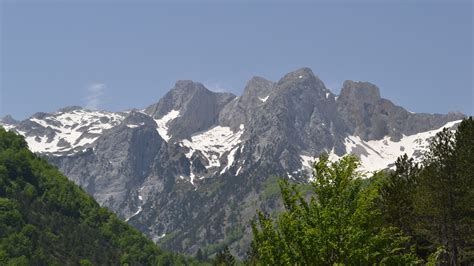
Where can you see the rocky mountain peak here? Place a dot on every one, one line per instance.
(136, 119)
(240, 110)
(189, 87)
(69, 109)
(183, 94)
(8, 120)
(301, 83)
(257, 89)
(359, 91)
(304, 74)
(195, 108)
(258, 86)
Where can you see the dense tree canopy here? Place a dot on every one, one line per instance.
(340, 224)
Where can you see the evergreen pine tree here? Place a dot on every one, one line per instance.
(199, 255)
(397, 194)
(224, 258)
(445, 194)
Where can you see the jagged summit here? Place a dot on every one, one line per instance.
(189, 87)
(174, 168)
(361, 91)
(70, 108)
(257, 87)
(302, 75)
(136, 119)
(8, 120)
(301, 82)
(194, 108)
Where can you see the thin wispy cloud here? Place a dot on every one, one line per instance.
(93, 99)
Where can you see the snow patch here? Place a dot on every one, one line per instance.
(192, 176)
(160, 237)
(134, 125)
(140, 204)
(238, 170)
(379, 154)
(135, 214)
(7, 127)
(230, 160)
(307, 161)
(214, 143)
(264, 99)
(162, 124)
(72, 129)
(376, 155)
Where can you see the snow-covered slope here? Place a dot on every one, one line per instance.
(65, 132)
(381, 154)
(214, 143)
(162, 124)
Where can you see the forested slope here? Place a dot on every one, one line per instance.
(47, 219)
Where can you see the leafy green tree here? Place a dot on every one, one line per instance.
(340, 224)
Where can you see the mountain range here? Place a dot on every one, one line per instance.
(190, 170)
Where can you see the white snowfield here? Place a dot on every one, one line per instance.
(135, 125)
(214, 143)
(140, 205)
(381, 154)
(7, 127)
(162, 124)
(76, 128)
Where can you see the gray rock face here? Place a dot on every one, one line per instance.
(241, 109)
(121, 159)
(371, 117)
(200, 187)
(8, 120)
(299, 116)
(198, 108)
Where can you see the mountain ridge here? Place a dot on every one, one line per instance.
(195, 152)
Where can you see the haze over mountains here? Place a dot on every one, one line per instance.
(190, 170)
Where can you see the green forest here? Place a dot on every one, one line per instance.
(45, 219)
(417, 214)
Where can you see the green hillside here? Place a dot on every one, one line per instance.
(45, 219)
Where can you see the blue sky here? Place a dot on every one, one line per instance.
(117, 56)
